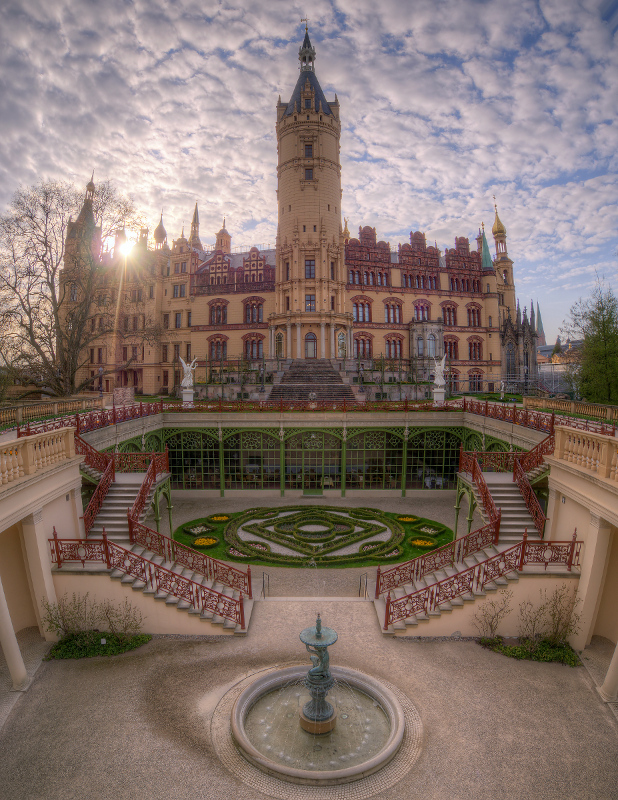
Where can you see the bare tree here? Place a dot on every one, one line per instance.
(45, 317)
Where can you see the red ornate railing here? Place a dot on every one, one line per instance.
(535, 457)
(477, 577)
(172, 550)
(538, 420)
(532, 503)
(160, 579)
(98, 496)
(451, 553)
(92, 457)
(192, 559)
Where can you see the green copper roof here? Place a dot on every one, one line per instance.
(487, 263)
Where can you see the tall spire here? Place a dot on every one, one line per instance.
(539, 326)
(194, 236)
(486, 262)
(306, 53)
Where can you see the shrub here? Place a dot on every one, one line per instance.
(79, 621)
(491, 614)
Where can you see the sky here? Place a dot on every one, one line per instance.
(444, 104)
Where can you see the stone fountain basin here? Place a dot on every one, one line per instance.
(277, 679)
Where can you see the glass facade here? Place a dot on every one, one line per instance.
(320, 459)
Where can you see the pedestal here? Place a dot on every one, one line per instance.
(187, 397)
(439, 393)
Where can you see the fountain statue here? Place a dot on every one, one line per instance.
(318, 715)
(314, 741)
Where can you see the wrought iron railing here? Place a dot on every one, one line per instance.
(532, 503)
(160, 579)
(474, 579)
(451, 553)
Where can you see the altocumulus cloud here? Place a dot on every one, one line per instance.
(444, 103)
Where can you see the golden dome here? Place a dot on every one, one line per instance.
(498, 228)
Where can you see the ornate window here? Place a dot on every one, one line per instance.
(422, 311)
(253, 346)
(476, 381)
(475, 350)
(311, 345)
(431, 345)
(451, 348)
(393, 346)
(420, 347)
(392, 311)
(449, 314)
(218, 312)
(474, 317)
(362, 345)
(217, 348)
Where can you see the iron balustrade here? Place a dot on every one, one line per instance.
(532, 503)
(474, 579)
(160, 579)
(451, 553)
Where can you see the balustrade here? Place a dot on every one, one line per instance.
(24, 457)
(589, 451)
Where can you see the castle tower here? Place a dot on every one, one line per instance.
(160, 235)
(310, 279)
(194, 236)
(224, 240)
(504, 269)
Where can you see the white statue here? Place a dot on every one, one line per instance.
(187, 380)
(439, 380)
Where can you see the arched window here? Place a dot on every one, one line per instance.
(279, 345)
(311, 345)
(511, 369)
(420, 345)
(431, 346)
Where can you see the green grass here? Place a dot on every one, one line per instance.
(220, 550)
(543, 650)
(87, 644)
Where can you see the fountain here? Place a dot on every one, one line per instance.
(309, 740)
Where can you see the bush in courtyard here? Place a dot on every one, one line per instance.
(80, 621)
(491, 614)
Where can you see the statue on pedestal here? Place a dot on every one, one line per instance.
(187, 380)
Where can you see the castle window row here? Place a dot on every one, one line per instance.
(367, 278)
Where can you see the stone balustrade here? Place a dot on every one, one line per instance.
(594, 410)
(594, 452)
(22, 458)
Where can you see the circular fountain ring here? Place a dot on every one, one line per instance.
(276, 680)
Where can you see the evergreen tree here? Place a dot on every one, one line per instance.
(595, 321)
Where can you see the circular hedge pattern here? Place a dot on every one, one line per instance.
(326, 535)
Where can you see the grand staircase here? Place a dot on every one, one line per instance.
(515, 515)
(312, 379)
(112, 518)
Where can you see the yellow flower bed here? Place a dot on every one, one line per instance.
(205, 541)
(407, 519)
(221, 518)
(422, 543)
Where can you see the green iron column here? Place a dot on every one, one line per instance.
(221, 466)
(344, 452)
(281, 463)
(404, 466)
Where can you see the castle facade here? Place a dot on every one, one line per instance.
(320, 293)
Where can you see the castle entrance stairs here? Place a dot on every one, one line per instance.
(312, 379)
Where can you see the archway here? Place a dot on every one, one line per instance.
(311, 346)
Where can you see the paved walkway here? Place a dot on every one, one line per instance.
(139, 725)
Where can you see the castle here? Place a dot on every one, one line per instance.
(320, 293)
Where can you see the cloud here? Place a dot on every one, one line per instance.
(443, 104)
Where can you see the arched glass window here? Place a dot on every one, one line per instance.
(420, 348)
(311, 345)
(431, 345)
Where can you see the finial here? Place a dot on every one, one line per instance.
(483, 226)
(306, 21)
(318, 628)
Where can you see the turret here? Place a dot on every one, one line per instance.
(224, 240)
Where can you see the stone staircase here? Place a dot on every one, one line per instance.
(515, 515)
(439, 575)
(514, 521)
(315, 377)
(113, 517)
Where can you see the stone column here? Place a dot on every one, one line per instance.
(10, 647)
(609, 689)
(298, 338)
(333, 346)
(39, 564)
(288, 339)
(322, 340)
(592, 576)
